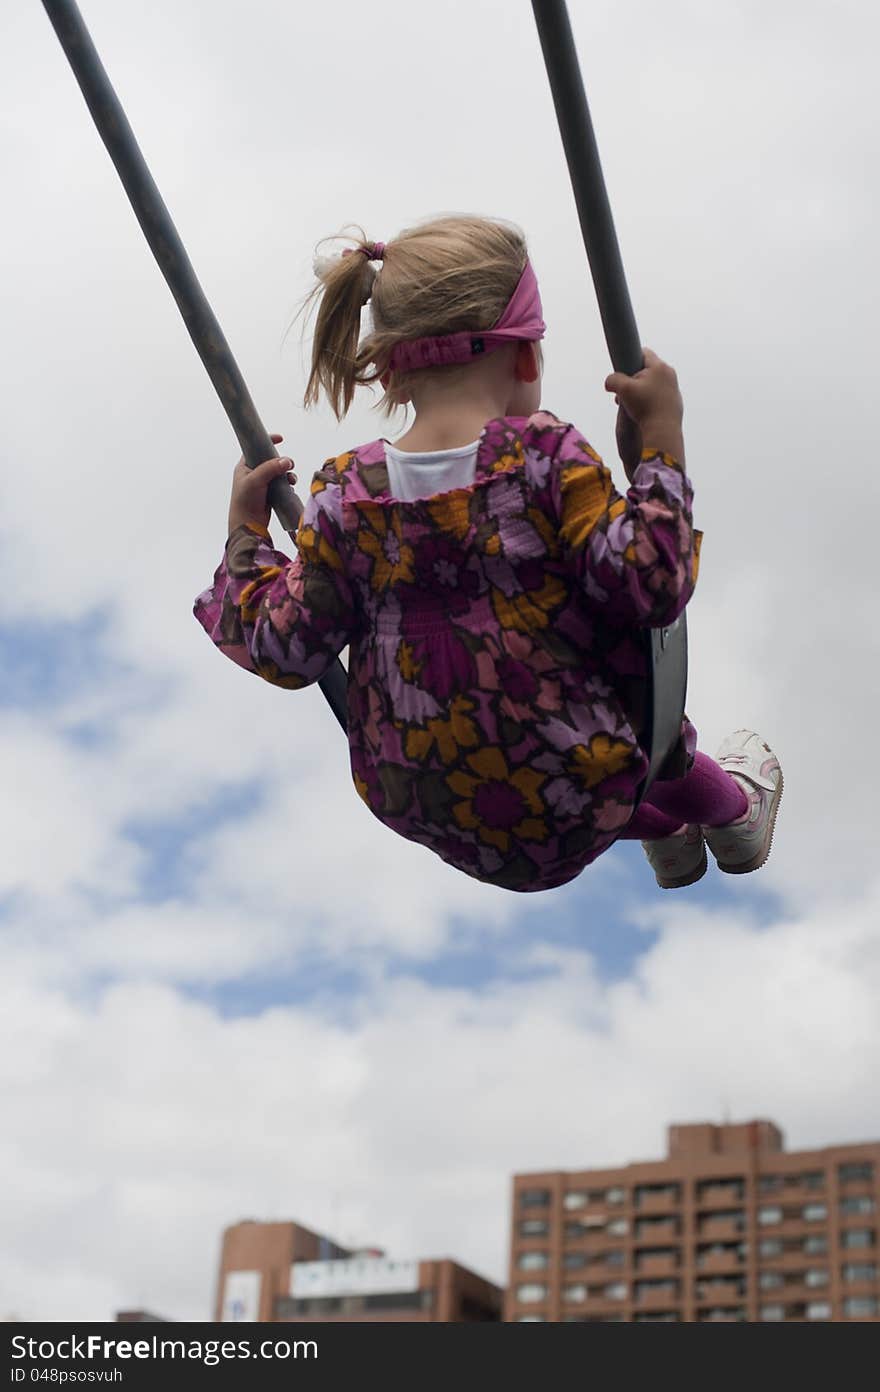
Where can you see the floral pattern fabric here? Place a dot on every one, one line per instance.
(496, 665)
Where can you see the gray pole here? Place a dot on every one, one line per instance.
(588, 185)
(176, 267)
(667, 647)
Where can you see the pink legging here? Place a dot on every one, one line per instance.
(707, 795)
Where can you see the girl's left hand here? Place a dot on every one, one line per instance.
(248, 502)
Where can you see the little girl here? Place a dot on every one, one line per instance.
(489, 582)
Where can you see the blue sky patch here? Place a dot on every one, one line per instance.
(170, 844)
(44, 663)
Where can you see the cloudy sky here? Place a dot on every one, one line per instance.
(226, 991)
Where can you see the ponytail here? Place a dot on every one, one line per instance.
(345, 285)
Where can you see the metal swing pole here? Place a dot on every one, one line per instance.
(176, 267)
(667, 646)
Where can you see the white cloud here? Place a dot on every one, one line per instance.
(146, 1123)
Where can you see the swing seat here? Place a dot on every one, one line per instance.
(668, 689)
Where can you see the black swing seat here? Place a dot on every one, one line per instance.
(668, 688)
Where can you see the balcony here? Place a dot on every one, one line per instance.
(665, 1199)
(725, 1196)
(794, 1227)
(657, 1265)
(795, 1260)
(663, 1296)
(721, 1291)
(729, 1259)
(723, 1227)
(590, 1240)
(728, 1314)
(656, 1231)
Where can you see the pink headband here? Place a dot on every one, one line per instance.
(523, 318)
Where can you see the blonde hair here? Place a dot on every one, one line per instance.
(443, 276)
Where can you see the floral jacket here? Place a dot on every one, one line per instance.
(496, 665)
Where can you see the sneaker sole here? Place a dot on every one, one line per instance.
(760, 857)
(683, 880)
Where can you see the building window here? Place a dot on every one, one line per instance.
(534, 1198)
(574, 1292)
(770, 1213)
(818, 1310)
(860, 1307)
(649, 1254)
(720, 1287)
(729, 1251)
(733, 1189)
(615, 1195)
(616, 1257)
(814, 1212)
(859, 1170)
(861, 1204)
(616, 1291)
(575, 1198)
(859, 1271)
(769, 1183)
(770, 1280)
(647, 1288)
(728, 1217)
(571, 1261)
(857, 1237)
(529, 1294)
(652, 1228)
(298, 1308)
(533, 1261)
(814, 1180)
(534, 1227)
(816, 1245)
(665, 1192)
(771, 1247)
(772, 1312)
(406, 1300)
(618, 1227)
(579, 1227)
(817, 1277)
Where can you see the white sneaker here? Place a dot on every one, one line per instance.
(678, 860)
(744, 845)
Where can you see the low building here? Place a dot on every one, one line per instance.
(283, 1272)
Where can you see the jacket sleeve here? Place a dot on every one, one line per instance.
(286, 620)
(636, 556)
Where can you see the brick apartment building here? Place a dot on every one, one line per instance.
(728, 1227)
(283, 1272)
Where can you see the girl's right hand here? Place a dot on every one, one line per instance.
(652, 400)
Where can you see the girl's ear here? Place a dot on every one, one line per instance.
(526, 365)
